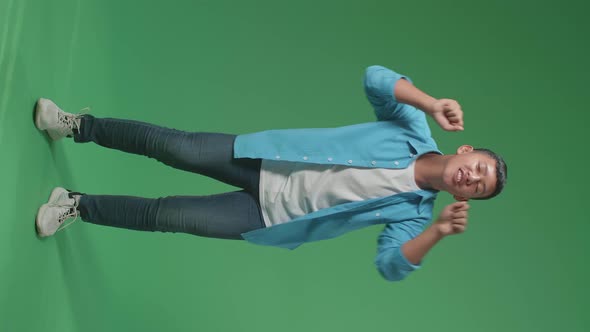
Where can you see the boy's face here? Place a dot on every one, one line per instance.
(470, 174)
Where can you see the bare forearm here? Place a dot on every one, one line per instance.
(452, 220)
(405, 92)
(415, 249)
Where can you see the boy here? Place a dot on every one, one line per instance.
(300, 185)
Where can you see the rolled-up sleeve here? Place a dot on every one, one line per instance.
(390, 261)
(379, 83)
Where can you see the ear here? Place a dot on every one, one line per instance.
(464, 149)
(461, 199)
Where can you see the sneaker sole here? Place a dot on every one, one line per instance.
(38, 110)
(40, 212)
(41, 106)
(55, 193)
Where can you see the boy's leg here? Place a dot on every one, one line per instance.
(225, 215)
(209, 154)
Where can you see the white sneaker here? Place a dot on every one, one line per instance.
(57, 123)
(60, 207)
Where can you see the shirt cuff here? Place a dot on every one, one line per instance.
(384, 79)
(403, 262)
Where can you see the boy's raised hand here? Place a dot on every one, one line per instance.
(452, 219)
(448, 114)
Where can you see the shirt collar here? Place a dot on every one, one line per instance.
(427, 198)
(418, 148)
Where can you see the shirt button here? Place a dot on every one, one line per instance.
(278, 157)
(396, 163)
(412, 155)
(330, 159)
(305, 158)
(350, 161)
(377, 214)
(373, 162)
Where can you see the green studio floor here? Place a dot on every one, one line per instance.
(518, 68)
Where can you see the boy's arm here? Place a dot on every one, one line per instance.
(390, 260)
(405, 92)
(402, 246)
(379, 83)
(446, 112)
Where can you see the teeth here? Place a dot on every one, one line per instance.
(459, 176)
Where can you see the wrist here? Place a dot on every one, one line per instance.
(405, 92)
(427, 104)
(438, 230)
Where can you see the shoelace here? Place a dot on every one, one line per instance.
(69, 120)
(71, 212)
(67, 214)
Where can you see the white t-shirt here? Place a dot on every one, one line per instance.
(292, 189)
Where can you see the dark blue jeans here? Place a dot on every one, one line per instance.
(225, 215)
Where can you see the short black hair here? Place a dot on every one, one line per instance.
(501, 172)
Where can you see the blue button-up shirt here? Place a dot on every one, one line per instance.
(400, 135)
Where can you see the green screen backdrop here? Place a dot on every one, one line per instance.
(518, 68)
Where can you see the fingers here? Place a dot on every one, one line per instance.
(454, 114)
(459, 221)
(464, 207)
(448, 124)
(459, 228)
(460, 215)
(443, 121)
(460, 206)
(457, 215)
(450, 127)
(459, 218)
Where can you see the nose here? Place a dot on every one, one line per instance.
(473, 178)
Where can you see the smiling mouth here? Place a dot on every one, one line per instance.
(459, 177)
